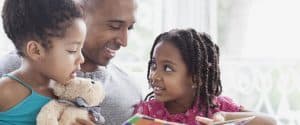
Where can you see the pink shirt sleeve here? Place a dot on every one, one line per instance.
(227, 104)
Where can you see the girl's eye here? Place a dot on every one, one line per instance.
(71, 51)
(168, 68)
(153, 65)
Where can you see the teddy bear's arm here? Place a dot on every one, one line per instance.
(50, 113)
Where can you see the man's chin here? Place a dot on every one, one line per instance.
(104, 62)
(90, 65)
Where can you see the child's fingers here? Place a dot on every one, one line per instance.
(218, 117)
(82, 122)
(204, 120)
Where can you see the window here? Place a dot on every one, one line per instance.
(260, 64)
(260, 61)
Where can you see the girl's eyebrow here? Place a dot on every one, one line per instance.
(169, 61)
(116, 21)
(74, 42)
(164, 61)
(119, 21)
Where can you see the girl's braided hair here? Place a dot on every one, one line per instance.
(201, 57)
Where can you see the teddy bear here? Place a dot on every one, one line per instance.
(77, 98)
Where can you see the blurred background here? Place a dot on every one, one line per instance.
(258, 39)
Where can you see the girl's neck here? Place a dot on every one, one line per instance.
(32, 77)
(175, 107)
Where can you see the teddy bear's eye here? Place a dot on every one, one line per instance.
(93, 82)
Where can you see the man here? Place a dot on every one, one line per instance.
(108, 22)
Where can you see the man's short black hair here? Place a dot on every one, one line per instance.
(38, 20)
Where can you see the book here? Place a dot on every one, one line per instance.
(235, 121)
(139, 119)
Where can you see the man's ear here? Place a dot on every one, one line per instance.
(34, 50)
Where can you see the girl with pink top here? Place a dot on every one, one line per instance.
(184, 74)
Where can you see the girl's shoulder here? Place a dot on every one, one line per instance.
(146, 107)
(226, 103)
(11, 93)
(6, 88)
(6, 91)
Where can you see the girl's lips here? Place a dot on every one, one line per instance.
(158, 90)
(73, 75)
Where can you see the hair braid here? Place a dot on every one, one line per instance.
(201, 57)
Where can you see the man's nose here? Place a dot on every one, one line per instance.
(122, 39)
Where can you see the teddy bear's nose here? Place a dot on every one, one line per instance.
(93, 82)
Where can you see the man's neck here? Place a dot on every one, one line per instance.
(88, 66)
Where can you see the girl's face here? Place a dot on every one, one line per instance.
(63, 59)
(169, 76)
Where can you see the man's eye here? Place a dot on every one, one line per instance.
(115, 26)
(131, 27)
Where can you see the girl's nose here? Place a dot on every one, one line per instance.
(81, 58)
(156, 77)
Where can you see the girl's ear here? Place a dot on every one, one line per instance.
(191, 82)
(34, 50)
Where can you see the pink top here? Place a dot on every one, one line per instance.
(156, 109)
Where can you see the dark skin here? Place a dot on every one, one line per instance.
(170, 79)
(108, 23)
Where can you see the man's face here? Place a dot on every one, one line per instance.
(107, 29)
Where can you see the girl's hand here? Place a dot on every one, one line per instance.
(83, 122)
(204, 120)
(217, 117)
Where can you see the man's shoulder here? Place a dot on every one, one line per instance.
(9, 62)
(127, 76)
(117, 69)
